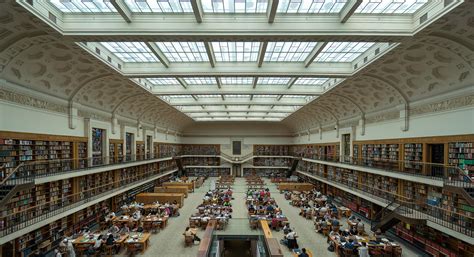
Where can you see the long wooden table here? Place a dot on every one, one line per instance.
(163, 220)
(273, 245)
(173, 189)
(81, 243)
(190, 185)
(148, 198)
(143, 239)
(295, 186)
(206, 240)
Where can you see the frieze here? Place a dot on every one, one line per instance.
(31, 101)
(445, 105)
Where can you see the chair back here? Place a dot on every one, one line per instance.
(109, 250)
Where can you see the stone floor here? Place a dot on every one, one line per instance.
(170, 243)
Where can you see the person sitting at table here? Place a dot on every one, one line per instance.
(274, 222)
(345, 233)
(137, 228)
(378, 235)
(270, 209)
(360, 227)
(96, 247)
(363, 250)
(125, 229)
(303, 253)
(292, 239)
(114, 229)
(111, 241)
(85, 230)
(57, 253)
(335, 224)
(353, 230)
(190, 233)
(286, 228)
(349, 244)
(137, 215)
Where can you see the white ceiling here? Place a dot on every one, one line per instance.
(304, 81)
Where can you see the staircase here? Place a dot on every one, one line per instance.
(10, 186)
(179, 164)
(294, 166)
(393, 213)
(466, 191)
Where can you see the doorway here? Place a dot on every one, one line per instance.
(436, 155)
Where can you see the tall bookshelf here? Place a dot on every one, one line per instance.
(168, 150)
(265, 172)
(461, 154)
(201, 161)
(275, 150)
(413, 155)
(140, 149)
(271, 162)
(194, 149)
(207, 172)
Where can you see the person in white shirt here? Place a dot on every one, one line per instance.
(137, 215)
(291, 237)
(363, 250)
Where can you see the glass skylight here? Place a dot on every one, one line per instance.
(170, 98)
(234, 6)
(163, 81)
(390, 6)
(273, 80)
(184, 51)
(160, 6)
(305, 97)
(288, 51)
(237, 80)
(84, 6)
(265, 96)
(236, 51)
(311, 81)
(131, 51)
(201, 81)
(311, 6)
(237, 96)
(342, 51)
(208, 96)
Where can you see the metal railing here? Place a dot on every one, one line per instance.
(413, 208)
(24, 171)
(451, 175)
(34, 214)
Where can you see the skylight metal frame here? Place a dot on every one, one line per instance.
(131, 51)
(311, 6)
(83, 6)
(342, 51)
(390, 6)
(288, 51)
(183, 51)
(236, 51)
(234, 6)
(159, 6)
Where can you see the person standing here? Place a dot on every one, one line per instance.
(363, 250)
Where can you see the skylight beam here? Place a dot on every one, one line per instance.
(317, 50)
(195, 98)
(261, 53)
(223, 98)
(272, 9)
(210, 54)
(197, 10)
(254, 83)
(182, 82)
(349, 9)
(159, 54)
(290, 84)
(219, 82)
(123, 10)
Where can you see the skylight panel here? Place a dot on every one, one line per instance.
(390, 6)
(184, 51)
(342, 51)
(160, 6)
(273, 80)
(84, 6)
(237, 96)
(131, 51)
(237, 80)
(208, 96)
(236, 51)
(288, 51)
(201, 81)
(311, 6)
(236, 107)
(302, 97)
(163, 81)
(311, 81)
(265, 96)
(234, 6)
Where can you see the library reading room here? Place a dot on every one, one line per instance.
(236, 128)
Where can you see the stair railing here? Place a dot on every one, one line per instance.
(385, 211)
(7, 179)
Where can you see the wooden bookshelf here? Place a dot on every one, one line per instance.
(199, 149)
(276, 150)
(265, 172)
(461, 154)
(140, 149)
(201, 161)
(271, 162)
(207, 172)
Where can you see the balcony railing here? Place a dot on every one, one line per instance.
(26, 217)
(28, 170)
(409, 207)
(451, 175)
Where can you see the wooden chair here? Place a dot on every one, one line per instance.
(109, 250)
(188, 240)
(155, 226)
(134, 248)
